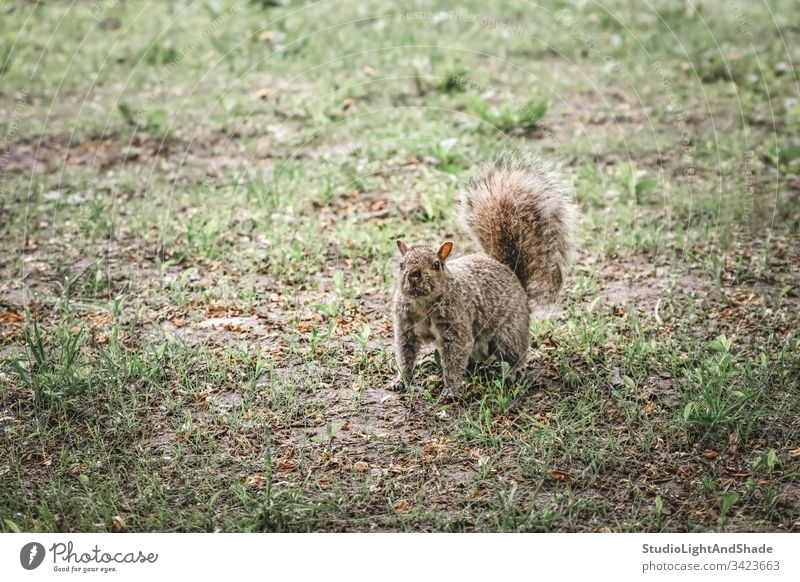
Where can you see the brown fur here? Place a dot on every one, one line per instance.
(477, 306)
(521, 214)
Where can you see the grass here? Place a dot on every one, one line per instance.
(199, 206)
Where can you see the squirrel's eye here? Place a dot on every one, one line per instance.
(436, 266)
(402, 265)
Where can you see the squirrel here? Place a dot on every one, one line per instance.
(523, 217)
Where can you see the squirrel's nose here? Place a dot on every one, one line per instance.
(415, 275)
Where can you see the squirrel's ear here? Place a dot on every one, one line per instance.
(402, 247)
(445, 250)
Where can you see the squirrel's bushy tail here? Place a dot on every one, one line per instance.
(520, 212)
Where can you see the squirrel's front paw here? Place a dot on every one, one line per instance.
(397, 385)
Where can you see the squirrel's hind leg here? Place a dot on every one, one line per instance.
(517, 365)
(514, 351)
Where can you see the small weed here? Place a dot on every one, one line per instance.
(507, 117)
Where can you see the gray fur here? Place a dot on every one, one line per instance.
(476, 306)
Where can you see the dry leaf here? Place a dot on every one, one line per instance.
(11, 317)
(118, 523)
(361, 466)
(402, 506)
(261, 94)
(479, 456)
(236, 328)
(255, 480)
(286, 463)
(710, 454)
(559, 475)
(99, 319)
(744, 298)
(737, 472)
(368, 71)
(477, 494)
(435, 445)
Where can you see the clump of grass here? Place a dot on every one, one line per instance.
(508, 117)
(723, 395)
(454, 82)
(448, 159)
(634, 186)
(153, 121)
(51, 372)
